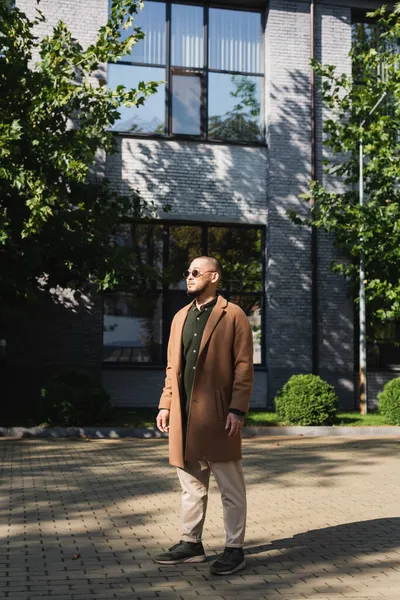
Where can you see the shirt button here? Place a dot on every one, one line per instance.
(194, 368)
(197, 318)
(195, 351)
(195, 334)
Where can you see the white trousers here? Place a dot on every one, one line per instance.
(194, 480)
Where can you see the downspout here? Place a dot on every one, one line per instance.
(314, 255)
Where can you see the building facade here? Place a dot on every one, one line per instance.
(229, 142)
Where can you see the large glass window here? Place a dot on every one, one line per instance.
(211, 62)
(137, 322)
(149, 118)
(383, 339)
(383, 347)
(186, 103)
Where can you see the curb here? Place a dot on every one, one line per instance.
(112, 433)
(151, 432)
(323, 431)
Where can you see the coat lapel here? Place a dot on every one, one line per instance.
(216, 314)
(177, 345)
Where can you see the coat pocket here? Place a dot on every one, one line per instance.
(220, 405)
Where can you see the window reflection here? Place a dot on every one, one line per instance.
(240, 253)
(137, 320)
(149, 118)
(184, 246)
(132, 329)
(186, 104)
(145, 243)
(252, 306)
(234, 107)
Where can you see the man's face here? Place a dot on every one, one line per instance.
(198, 285)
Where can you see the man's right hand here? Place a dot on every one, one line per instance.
(162, 420)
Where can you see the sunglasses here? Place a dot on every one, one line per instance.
(195, 273)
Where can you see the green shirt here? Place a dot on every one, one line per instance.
(193, 329)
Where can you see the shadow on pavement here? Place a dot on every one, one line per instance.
(115, 504)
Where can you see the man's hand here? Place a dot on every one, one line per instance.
(162, 420)
(234, 423)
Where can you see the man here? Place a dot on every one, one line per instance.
(207, 390)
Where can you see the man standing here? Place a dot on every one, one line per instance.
(207, 390)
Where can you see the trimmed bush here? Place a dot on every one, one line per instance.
(389, 401)
(306, 400)
(75, 398)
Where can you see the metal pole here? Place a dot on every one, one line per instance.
(362, 311)
(363, 318)
(314, 239)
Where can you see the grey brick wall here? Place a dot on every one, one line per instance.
(288, 91)
(199, 181)
(82, 18)
(376, 383)
(335, 306)
(142, 387)
(287, 48)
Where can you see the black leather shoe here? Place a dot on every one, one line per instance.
(232, 560)
(183, 552)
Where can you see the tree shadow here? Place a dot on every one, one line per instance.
(91, 515)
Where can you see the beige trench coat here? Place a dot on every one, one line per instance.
(223, 379)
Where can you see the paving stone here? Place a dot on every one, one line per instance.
(322, 522)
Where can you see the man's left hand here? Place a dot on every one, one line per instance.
(234, 424)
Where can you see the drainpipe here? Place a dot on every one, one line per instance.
(314, 256)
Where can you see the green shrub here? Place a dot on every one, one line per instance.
(74, 398)
(389, 401)
(306, 400)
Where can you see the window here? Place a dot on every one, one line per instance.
(137, 324)
(383, 346)
(211, 62)
(368, 34)
(383, 339)
(2, 337)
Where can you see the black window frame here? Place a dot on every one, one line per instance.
(164, 290)
(205, 70)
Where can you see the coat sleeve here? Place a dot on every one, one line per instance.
(166, 396)
(243, 377)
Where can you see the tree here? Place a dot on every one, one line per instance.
(242, 122)
(375, 227)
(59, 222)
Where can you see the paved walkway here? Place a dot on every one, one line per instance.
(82, 520)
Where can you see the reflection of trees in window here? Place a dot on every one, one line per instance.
(132, 328)
(144, 242)
(367, 36)
(384, 344)
(370, 35)
(149, 118)
(184, 246)
(137, 320)
(242, 122)
(133, 317)
(240, 253)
